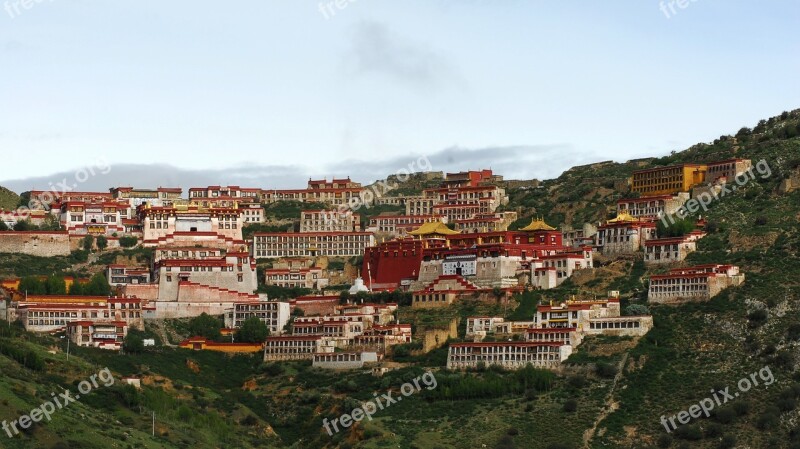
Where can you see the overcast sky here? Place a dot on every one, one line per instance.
(283, 90)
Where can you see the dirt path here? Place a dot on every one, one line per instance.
(609, 407)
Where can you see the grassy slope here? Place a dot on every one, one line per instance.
(8, 199)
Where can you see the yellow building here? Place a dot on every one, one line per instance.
(668, 180)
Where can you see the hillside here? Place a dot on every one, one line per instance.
(209, 400)
(8, 199)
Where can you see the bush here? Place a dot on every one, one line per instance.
(606, 370)
(102, 242)
(128, 241)
(664, 441)
(87, 243)
(570, 406)
(728, 442)
(689, 432)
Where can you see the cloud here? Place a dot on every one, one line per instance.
(513, 162)
(377, 50)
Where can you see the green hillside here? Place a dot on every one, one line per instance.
(8, 199)
(611, 394)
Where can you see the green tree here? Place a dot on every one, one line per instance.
(253, 330)
(674, 226)
(76, 289)
(636, 309)
(97, 286)
(102, 242)
(206, 326)
(55, 285)
(128, 241)
(32, 286)
(24, 225)
(87, 242)
(134, 343)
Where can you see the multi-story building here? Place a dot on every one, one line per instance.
(668, 180)
(462, 196)
(87, 218)
(191, 225)
(122, 275)
(380, 337)
(225, 193)
(550, 339)
(160, 197)
(295, 347)
(652, 207)
(343, 360)
(54, 312)
(94, 334)
(671, 249)
(486, 222)
(311, 244)
(697, 283)
(549, 271)
(337, 192)
(275, 314)
(508, 354)
(313, 277)
(624, 234)
(329, 221)
(727, 169)
(233, 272)
(480, 326)
(487, 259)
(399, 225)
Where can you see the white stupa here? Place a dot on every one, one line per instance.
(358, 286)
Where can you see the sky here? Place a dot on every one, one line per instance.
(268, 93)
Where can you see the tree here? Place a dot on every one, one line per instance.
(253, 330)
(102, 242)
(134, 343)
(128, 241)
(24, 225)
(206, 326)
(97, 286)
(674, 226)
(88, 242)
(55, 285)
(636, 310)
(3, 226)
(31, 285)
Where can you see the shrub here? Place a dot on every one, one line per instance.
(606, 370)
(725, 415)
(728, 442)
(570, 406)
(87, 243)
(664, 441)
(102, 242)
(128, 241)
(691, 432)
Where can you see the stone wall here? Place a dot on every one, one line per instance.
(35, 243)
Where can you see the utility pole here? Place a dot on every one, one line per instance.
(154, 423)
